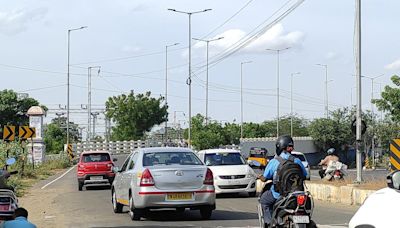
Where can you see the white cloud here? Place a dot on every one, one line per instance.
(274, 38)
(393, 66)
(128, 48)
(17, 21)
(331, 55)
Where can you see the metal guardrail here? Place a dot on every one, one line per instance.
(117, 147)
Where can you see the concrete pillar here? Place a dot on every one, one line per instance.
(36, 114)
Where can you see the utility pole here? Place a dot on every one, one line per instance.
(326, 90)
(207, 45)
(94, 114)
(241, 97)
(166, 85)
(277, 85)
(89, 108)
(69, 35)
(291, 103)
(358, 85)
(189, 80)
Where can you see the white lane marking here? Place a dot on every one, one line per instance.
(58, 178)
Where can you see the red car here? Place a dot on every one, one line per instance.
(95, 167)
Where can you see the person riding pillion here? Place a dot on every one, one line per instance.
(284, 147)
(332, 156)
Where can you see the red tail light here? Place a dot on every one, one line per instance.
(337, 173)
(301, 200)
(209, 180)
(147, 179)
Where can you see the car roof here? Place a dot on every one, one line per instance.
(165, 149)
(213, 151)
(95, 152)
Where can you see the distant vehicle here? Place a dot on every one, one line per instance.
(303, 160)
(95, 167)
(260, 155)
(380, 209)
(231, 173)
(163, 177)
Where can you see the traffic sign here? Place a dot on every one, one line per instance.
(395, 154)
(9, 133)
(354, 127)
(26, 132)
(70, 151)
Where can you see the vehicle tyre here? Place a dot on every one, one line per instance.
(117, 207)
(252, 194)
(206, 212)
(134, 213)
(311, 224)
(80, 185)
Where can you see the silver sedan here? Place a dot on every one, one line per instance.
(163, 177)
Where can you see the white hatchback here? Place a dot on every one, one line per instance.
(231, 173)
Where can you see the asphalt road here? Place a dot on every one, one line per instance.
(92, 208)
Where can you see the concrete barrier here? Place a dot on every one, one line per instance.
(349, 194)
(338, 194)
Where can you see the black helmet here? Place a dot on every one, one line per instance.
(282, 142)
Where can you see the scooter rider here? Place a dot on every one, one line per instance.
(284, 147)
(332, 156)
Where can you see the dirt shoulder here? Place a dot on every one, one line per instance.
(41, 204)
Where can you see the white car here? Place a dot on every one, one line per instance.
(163, 177)
(380, 209)
(231, 173)
(303, 160)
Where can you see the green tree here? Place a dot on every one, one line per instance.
(390, 100)
(135, 115)
(55, 134)
(206, 136)
(13, 109)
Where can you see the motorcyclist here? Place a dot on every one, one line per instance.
(332, 156)
(284, 147)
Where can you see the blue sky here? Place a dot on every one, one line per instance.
(127, 39)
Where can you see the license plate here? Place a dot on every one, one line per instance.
(186, 196)
(301, 219)
(96, 178)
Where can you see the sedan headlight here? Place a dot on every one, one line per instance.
(250, 175)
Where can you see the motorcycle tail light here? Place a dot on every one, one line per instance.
(301, 199)
(337, 173)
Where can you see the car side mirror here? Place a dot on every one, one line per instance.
(115, 159)
(116, 169)
(393, 180)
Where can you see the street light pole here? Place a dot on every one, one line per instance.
(89, 108)
(291, 103)
(277, 96)
(207, 42)
(241, 97)
(166, 86)
(69, 38)
(189, 80)
(358, 85)
(326, 90)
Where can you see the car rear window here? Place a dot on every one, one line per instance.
(169, 158)
(96, 157)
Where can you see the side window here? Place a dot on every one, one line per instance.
(133, 161)
(125, 165)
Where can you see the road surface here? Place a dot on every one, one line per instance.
(60, 204)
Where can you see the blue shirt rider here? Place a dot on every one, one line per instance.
(284, 146)
(20, 220)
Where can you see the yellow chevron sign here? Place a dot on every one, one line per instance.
(70, 151)
(9, 133)
(395, 154)
(26, 132)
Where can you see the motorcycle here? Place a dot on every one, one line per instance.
(335, 171)
(8, 199)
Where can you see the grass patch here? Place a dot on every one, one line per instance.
(26, 179)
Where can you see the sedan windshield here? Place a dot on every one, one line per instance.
(299, 156)
(224, 159)
(169, 158)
